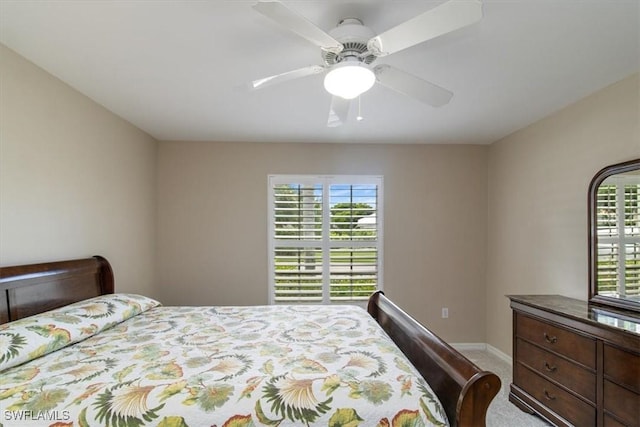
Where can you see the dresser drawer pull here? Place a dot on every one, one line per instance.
(550, 368)
(550, 340)
(549, 396)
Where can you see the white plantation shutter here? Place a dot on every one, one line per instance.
(632, 238)
(618, 225)
(325, 238)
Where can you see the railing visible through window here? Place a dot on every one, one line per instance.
(324, 238)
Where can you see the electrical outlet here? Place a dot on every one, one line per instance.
(445, 313)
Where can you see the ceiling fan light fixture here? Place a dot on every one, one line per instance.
(349, 79)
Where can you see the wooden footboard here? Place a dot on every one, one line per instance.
(463, 388)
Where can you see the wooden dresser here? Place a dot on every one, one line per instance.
(575, 364)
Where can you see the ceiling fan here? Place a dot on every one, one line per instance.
(349, 49)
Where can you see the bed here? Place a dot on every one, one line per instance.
(118, 370)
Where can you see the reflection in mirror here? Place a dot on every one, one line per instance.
(615, 236)
(622, 322)
(618, 232)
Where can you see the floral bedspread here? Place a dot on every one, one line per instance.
(219, 366)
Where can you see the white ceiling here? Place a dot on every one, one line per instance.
(178, 69)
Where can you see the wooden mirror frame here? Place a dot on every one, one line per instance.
(594, 297)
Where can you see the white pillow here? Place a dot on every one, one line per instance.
(35, 336)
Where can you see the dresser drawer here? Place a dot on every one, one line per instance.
(570, 375)
(561, 340)
(609, 421)
(622, 403)
(622, 367)
(569, 407)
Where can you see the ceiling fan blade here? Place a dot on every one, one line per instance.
(338, 112)
(283, 77)
(440, 20)
(297, 23)
(412, 86)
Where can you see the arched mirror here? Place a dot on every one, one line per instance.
(614, 236)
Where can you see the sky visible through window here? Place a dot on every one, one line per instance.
(341, 193)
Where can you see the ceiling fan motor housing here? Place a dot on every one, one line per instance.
(354, 37)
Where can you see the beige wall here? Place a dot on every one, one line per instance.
(538, 180)
(212, 223)
(75, 180)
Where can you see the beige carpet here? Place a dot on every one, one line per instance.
(502, 413)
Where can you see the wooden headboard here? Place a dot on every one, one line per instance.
(26, 290)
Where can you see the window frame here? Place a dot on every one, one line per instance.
(326, 243)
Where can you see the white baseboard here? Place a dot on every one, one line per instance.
(500, 354)
(469, 346)
(484, 347)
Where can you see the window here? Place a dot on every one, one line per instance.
(325, 238)
(618, 225)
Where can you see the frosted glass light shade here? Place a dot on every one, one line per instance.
(349, 80)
